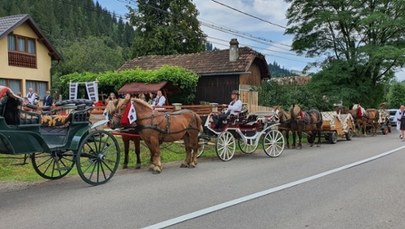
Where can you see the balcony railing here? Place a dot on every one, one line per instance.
(22, 60)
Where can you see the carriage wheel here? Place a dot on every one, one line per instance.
(225, 146)
(248, 147)
(273, 143)
(349, 135)
(201, 146)
(98, 157)
(332, 138)
(53, 165)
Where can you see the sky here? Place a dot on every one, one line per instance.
(263, 31)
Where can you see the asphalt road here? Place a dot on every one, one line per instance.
(316, 187)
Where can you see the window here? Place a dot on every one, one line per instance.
(14, 85)
(21, 51)
(11, 43)
(37, 86)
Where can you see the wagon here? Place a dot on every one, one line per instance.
(336, 126)
(247, 131)
(56, 143)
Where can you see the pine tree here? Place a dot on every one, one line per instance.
(166, 27)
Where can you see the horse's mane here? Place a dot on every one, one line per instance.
(110, 107)
(142, 103)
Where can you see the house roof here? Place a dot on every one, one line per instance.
(136, 88)
(9, 23)
(204, 63)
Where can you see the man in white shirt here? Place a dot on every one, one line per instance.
(160, 99)
(31, 96)
(234, 108)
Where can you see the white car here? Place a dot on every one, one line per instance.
(392, 112)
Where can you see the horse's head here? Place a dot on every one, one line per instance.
(283, 116)
(115, 109)
(295, 111)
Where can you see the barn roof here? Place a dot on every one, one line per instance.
(10, 23)
(204, 63)
(136, 88)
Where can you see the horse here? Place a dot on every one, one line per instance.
(126, 138)
(155, 127)
(365, 118)
(285, 122)
(309, 122)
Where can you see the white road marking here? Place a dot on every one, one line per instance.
(171, 222)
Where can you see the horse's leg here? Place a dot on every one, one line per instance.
(300, 130)
(187, 160)
(195, 147)
(319, 136)
(137, 142)
(286, 137)
(125, 140)
(154, 147)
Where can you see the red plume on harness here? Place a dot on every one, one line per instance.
(3, 92)
(124, 117)
(359, 112)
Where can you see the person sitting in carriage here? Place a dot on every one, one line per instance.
(234, 108)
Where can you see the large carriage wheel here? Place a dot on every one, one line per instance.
(273, 143)
(53, 165)
(248, 147)
(225, 146)
(98, 157)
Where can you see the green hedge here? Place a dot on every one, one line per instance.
(112, 81)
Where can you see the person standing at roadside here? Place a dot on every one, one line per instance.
(398, 115)
(48, 100)
(401, 123)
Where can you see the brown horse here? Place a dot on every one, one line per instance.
(285, 122)
(365, 119)
(309, 122)
(155, 127)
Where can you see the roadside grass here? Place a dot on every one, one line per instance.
(12, 171)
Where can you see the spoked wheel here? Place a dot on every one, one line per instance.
(273, 143)
(53, 165)
(201, 146)
(225, 146)
(248, 147)
(98, 157)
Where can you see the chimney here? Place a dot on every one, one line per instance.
(233, 50)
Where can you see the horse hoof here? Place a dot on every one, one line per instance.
(183, 165)
(151, 167)
(192, 165)
(157, 170)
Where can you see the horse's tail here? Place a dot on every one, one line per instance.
(199, 123)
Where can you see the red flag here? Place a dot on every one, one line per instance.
(124, 118)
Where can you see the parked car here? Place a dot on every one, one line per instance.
(392, 112)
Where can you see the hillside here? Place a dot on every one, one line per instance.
(277, 71)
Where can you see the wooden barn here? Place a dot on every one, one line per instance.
(220, 71)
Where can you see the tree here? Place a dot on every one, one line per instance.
(166, 27)
(396, 95)
(365, 37)
(93, 54)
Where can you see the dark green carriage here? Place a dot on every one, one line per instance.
(54, 150)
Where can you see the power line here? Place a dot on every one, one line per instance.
(266, 54)
(243, 34)
(250, 15)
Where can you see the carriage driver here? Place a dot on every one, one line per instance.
(234, 108)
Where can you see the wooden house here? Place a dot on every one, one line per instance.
(25, 55)
(220, 71)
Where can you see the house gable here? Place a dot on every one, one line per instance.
(25, 55)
